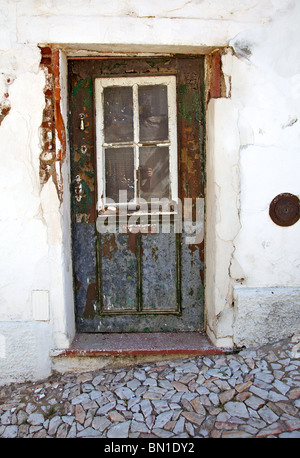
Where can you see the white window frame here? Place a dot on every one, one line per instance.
(134, 82)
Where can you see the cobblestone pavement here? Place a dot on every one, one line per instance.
(253, 393)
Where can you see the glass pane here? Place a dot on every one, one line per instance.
(119, 172)
(118, 114)
(153, 113)
(154, 172)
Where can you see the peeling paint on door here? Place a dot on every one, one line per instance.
(126, 281)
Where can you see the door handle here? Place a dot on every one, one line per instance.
(78, 188)
(82, 116)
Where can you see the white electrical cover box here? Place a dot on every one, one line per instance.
(40, 305)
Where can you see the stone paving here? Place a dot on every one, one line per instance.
(252, 393)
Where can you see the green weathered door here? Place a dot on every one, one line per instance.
(137, 157)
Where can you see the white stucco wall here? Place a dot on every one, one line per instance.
(252, 155)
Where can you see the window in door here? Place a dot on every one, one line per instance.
(136, 139)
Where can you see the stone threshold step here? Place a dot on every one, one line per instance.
(139, 344)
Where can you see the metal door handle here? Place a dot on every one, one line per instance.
(77, 188)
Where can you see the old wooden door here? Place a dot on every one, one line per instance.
(136, 131)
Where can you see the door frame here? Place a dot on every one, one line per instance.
(216, 298)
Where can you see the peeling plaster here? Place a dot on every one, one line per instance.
(5, 81)
(52, 130)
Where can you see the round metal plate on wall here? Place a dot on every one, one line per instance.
(285, 209)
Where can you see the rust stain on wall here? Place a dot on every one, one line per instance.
(4, 110)
(53, 133)
(215, 80)
(5, 102)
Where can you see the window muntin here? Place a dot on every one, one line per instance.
(136, 139)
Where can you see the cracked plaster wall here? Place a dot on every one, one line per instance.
(252, 155)
(34, 242)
